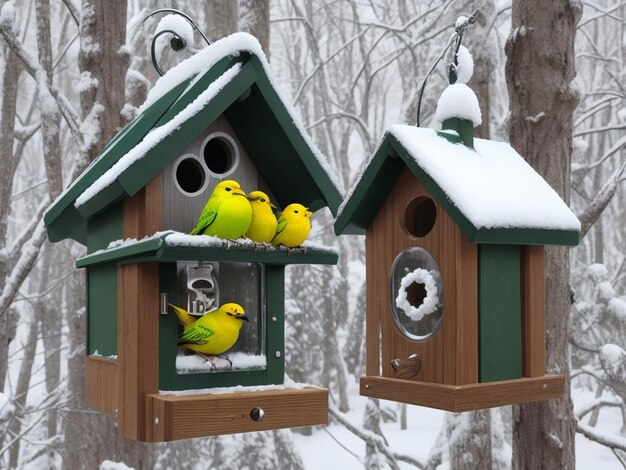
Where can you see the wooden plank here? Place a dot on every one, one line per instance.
(372, 317)
(101, 384)
(186, 416)
(143, 213)
(458, 398)
(137, 345)
(533, 305)
(451, 355)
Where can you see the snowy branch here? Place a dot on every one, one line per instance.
(613, 442)
(373, 439)
(602, 199)
(600, 402)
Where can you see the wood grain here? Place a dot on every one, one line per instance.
(101, 384)
(458, 398)
(451, 355)
(373, 301)
(186, 416)
(143, 213)
(137, 345)
(533, 305)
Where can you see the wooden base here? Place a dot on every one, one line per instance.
(172, 417)
(459, 398)
(101, 384)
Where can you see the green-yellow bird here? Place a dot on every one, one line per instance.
(264, 223)
(294, 226)
(214, 333)
(227, 213)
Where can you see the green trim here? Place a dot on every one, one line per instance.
(275, 329)
(102, 309)
(463, 127)
(104, 228)
(380, 177)
(499, 313)
(155, 249)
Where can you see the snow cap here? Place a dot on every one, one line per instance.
(465, 65)
(459, 101)
(176, 23)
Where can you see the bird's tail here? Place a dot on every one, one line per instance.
(182, 315)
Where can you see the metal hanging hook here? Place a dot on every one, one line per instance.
(454, 41)
(177, 43)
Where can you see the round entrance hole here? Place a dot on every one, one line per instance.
(416, 293)
(220, 153)
(420, 216)
(189, 176)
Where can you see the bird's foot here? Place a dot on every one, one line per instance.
(208, 359)
(230, 363)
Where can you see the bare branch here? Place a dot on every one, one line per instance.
(595, 130)
(598, 204)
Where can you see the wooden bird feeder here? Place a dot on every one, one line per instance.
(215, 116)
(455, 229)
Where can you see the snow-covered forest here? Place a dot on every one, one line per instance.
(74, 72)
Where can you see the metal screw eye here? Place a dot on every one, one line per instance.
(257, 414)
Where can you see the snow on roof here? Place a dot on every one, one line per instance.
(232, 45)
(458, 101)
(493, 186)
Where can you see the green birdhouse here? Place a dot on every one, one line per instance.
(454, 230)
(216, 116)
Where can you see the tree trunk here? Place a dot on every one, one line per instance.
(221, 18)
(254, 18)
(539, 71)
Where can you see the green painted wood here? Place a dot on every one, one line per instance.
(58, 226)
(104, 228)
(275, 326)
(274, 330)
(102, 309)
(372, 190)
(155, 249)
(499, 313)
(463, 127)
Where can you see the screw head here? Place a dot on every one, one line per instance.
(277, 354)
(257, 414)
(156, 421)
(273, 318)
(367, 385)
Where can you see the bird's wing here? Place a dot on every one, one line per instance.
(282, 223)
(196, 334)
(206, 219)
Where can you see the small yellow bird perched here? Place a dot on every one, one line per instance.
(214, 333)
(227, 213)
(264, 223)
(294, 226)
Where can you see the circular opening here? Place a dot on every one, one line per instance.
(220, 154)
(420, 216)
(189, 175)
(416, 294)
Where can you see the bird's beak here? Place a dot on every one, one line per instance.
(243, 317)
(273, 206)
(308, 213)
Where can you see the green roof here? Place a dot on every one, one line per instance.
(436, 160)
(282, 153)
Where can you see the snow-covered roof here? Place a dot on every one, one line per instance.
(488, 191)
(181, 104)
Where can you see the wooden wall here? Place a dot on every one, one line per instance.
(450, 356)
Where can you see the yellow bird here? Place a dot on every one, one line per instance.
(213, 333)
(264, 223)
(183, 315)
(294, 226)
(227, 213)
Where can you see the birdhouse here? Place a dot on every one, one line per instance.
(216, 116)
(455, 229)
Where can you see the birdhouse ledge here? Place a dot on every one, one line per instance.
(170, 246)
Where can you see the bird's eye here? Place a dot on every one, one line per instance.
(262, 200)
(295, 212)
(228, 189)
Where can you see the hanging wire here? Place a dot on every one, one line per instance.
(177, 43)
(451, 60)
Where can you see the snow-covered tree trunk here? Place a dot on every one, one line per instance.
(539, 72)
(221, 18)
(254, 18)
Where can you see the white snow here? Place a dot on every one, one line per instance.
(460, 21)
(6, 407)
(430, 302)
(110, 465)
(598, 272)
(288, 384)
(492, 186)
(97, 354)
(7, 14)
(613, 360)
(617, 307)
(459, 101)
(240, 361)
(465, 65)
(232, 45)
(157, 135)
(178, 24)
